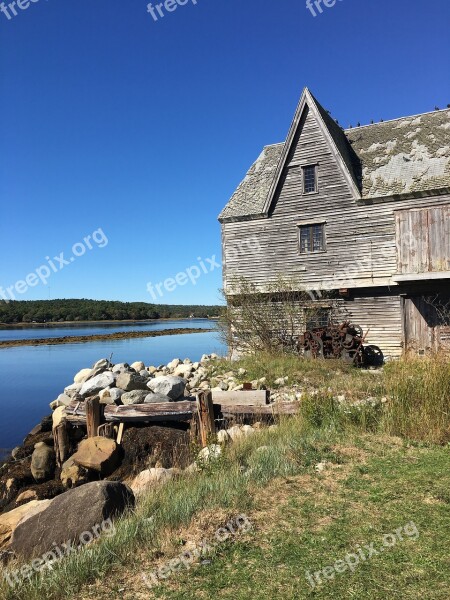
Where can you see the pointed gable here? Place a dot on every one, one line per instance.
(255, 194)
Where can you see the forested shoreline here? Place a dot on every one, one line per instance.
(60, 311)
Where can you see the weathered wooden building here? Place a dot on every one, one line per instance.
(362, 211)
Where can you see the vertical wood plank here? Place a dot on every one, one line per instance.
(207, 426)
(62, 443)
(93, 416)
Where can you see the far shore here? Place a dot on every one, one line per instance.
(81, 339)
(100, 322)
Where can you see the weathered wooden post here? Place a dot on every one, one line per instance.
(206, 423)
(93, 416)
(61, 442)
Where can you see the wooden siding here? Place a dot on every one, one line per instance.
(360, 237)
(430, 229)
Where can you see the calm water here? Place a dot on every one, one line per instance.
(53, 331)
(31, 377)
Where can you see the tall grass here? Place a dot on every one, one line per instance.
(420, 399)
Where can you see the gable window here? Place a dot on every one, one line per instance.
(312, 238)
(310, 179)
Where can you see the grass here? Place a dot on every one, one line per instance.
(370, 483)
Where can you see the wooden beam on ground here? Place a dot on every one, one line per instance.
(242, 397)
(205, 411)
(277, 409)
(137, 413)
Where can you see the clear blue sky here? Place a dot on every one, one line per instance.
(143, 128)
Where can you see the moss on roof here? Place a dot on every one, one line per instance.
(406, 155)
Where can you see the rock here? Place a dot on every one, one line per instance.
(144, 373)
(138, 366)
(77, 511)
(73, 390)
(247, 430)
(187, 361)
(82, 375)
(209, 453)
(235, 432)
(183, 371)
(58, 415)
(61, 400)
(224, 386)
(26, 496)
(43, 462)
(168, 385)
(97, 383)
(149, 478)
(192, 468)
(153, 398)
(223, 437)
(134, 397)
(152, 370)
(120, 368)
(242, 372)
(214, 356)
(174, 364)
(130, 382)
(103, 363)
(73, 475)
(99, 454)
(9, 521)
(205, 358)
(111, 396)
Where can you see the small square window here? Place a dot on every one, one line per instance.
(312, 238)
(317, 317)
(309, 179)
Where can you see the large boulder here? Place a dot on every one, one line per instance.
(103, 363)
(82, 375)
(183, 371)
(99, 454)
(169, 385)
(153, 398)
(130, 382)
(73, 390)
(138, 366)
(78, 512)
(121, 368)
(134, 397)
(10, 520)
(99, 382)
(43, 462)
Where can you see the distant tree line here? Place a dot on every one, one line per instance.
(57, 311)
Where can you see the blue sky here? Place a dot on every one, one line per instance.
(111, 120)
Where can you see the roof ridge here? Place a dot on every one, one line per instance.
(430, 112)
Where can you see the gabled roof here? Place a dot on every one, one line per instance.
(404, 156)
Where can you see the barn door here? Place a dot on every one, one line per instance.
(426, 329)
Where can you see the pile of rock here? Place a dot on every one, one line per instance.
(33, 482)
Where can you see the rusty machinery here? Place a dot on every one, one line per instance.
(345, 341)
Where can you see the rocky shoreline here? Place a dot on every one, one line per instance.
(81, 339)
(47, 472)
